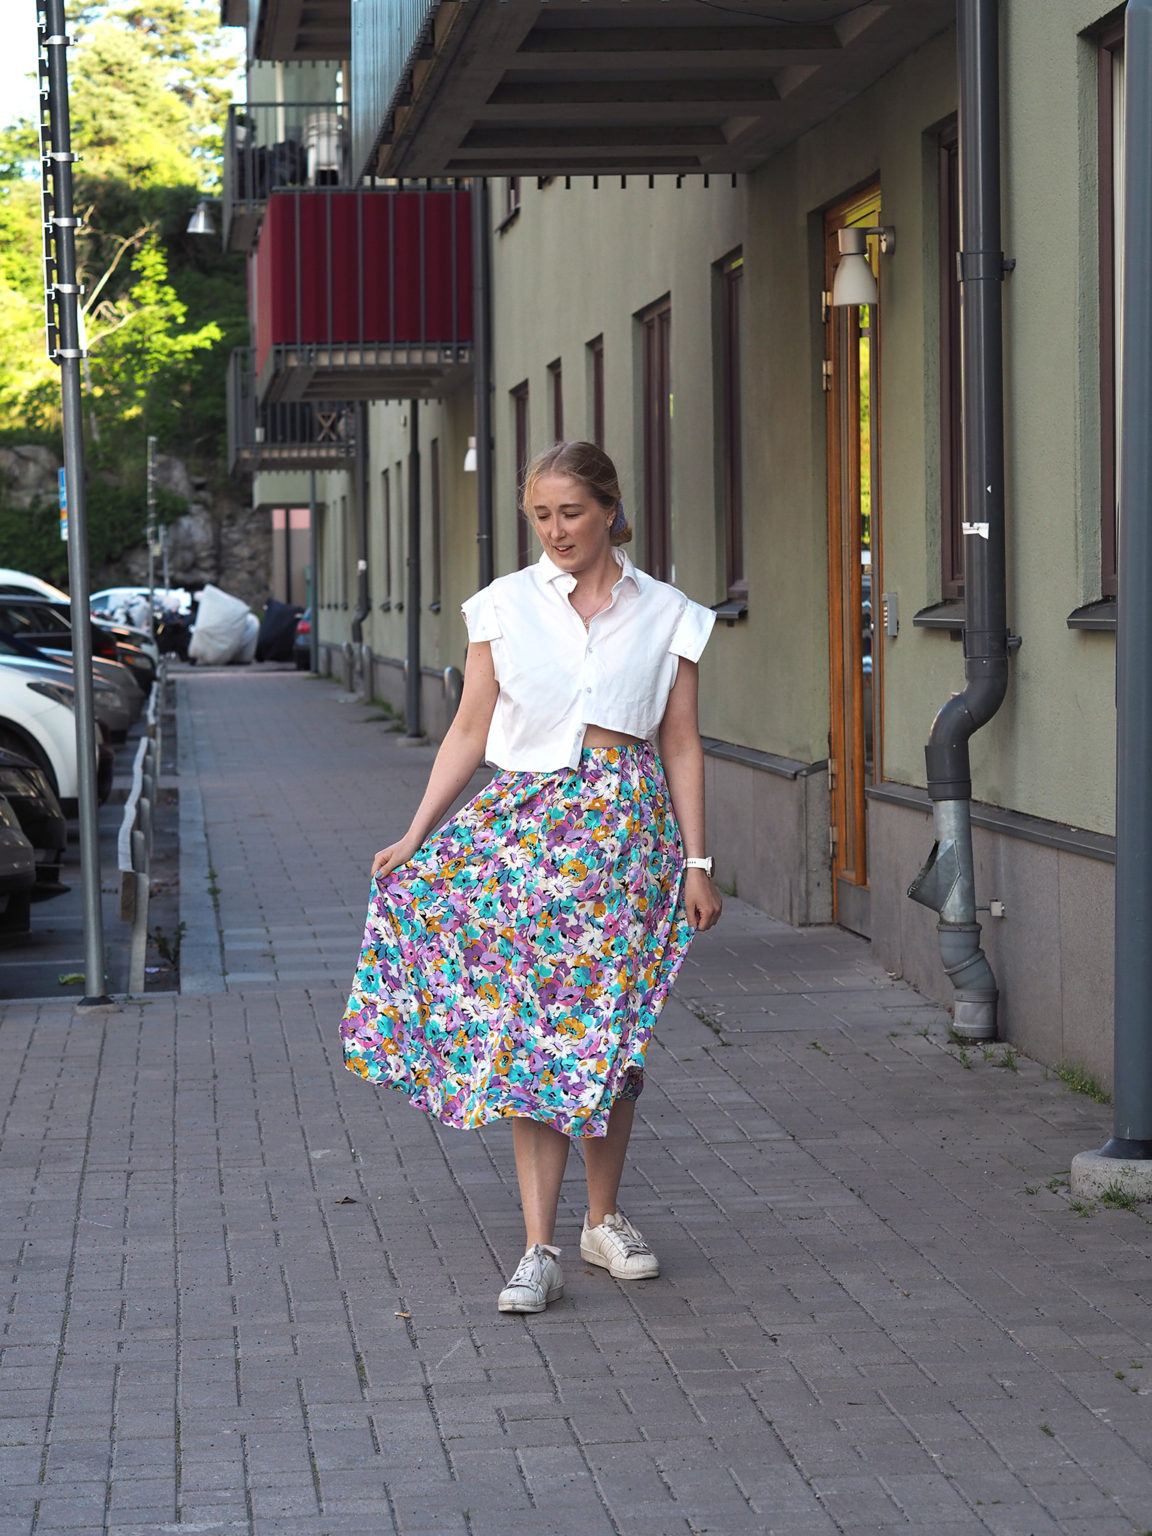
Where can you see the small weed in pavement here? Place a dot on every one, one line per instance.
(963, 1058)
(1046, 1429)
(1008, 1060)
(1031, 1189)
(816, 1046)
(1082, 1082)
(1057, 1182)
(987, 1052)
(1119, 1198)
(1082, 1207)
(923, 1031)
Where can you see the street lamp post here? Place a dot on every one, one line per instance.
(62, 294)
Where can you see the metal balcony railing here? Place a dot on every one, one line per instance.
(298, 434)
(386, 34)
(365, 294)
(268, 145)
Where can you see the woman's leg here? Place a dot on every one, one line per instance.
(541, 1153)
(604, 1161)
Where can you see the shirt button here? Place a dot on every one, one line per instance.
(587, 690)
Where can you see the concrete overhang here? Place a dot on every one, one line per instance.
(293, 30)
(583, 87)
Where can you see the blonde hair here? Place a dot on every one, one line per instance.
(594, 470)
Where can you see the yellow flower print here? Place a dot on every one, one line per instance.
(575, 869)
(358, 1065)
(488, 992)
(502, 1063)
(574, 1027)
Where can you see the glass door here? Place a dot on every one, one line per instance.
(851, 383)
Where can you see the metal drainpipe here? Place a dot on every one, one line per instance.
(1132, 1039)
(363, 600)
(947, 881)
(414, 730)
(482, 371)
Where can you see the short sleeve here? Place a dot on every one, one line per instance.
(480, 616)
(691, 633)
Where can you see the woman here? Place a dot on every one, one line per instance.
(514, 964)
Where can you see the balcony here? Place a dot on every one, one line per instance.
(269, 145)
(302, 434)
(363, 295)
(580, 87)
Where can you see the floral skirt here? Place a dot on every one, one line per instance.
(517, 963)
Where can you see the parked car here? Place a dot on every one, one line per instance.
(27, 791)
(302, 644)
(47, 622)
(37, 720)
(17, 873)
(20, 582)
(115, 673)
(107, 704)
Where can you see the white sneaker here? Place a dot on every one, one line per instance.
(537, 1281)
(617, 1247)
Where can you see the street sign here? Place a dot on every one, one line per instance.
(62, 486)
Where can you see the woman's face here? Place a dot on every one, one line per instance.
(570, 523)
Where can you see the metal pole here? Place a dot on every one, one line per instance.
(482, 371)
(151, 534)
(62, 295)
(1132, 1037)
(414, 729)
(313, 549)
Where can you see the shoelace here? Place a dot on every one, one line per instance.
(626, 1234)
(530, 1270)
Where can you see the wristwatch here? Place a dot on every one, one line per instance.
(704, 864)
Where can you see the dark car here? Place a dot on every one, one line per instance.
(44, 622)
(28, 793)
(17, 873)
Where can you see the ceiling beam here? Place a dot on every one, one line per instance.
(573, 140)
(663, 41)
(724, 92)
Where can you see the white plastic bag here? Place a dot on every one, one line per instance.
(221, 628)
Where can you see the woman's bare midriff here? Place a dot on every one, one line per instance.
(600, 736)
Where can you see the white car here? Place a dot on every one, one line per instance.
(20, 581)
(37, 720)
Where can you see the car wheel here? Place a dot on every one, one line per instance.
(13, 740)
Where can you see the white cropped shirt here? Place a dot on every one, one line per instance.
(556, 677)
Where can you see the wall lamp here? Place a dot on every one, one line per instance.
(470, 457)
(855, 282)
(201, 221)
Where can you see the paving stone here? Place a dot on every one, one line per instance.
(856, 1287)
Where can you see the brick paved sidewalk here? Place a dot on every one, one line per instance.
(248, 1293)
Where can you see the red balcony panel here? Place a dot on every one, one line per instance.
(374, 281)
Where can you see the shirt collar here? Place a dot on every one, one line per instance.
(565, 581)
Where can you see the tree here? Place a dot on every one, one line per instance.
(148, 87)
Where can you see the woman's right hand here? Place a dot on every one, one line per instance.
(389, 859)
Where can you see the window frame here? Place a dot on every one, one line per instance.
(656, 417)
(520, 405)
(596, 388)
(730, 427)
(1109, 44)
(556, 389)
(951, 432)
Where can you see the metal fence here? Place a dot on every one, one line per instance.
(279, 144)
(386, 34)
(297, 434)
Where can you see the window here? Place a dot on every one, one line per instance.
(437, 540)
(520, 438)
(729, 436)
(556, 382)
(656, 384)
(1110, 105)
(596, 389)
(951, 443)
(386, 500)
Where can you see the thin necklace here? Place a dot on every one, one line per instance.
(586, 619)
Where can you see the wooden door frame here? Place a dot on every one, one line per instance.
(862, 207)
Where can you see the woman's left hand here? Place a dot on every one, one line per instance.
(702, 900)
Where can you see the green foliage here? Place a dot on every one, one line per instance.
(148, 89)
(1082, 1082)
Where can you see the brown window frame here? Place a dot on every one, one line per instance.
(556, 386)
(1110, 43)
(730, 436)
(520, 440)
(596, 388)
(951, 438)
(386, 498)
(656, 413)
(437, 562)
